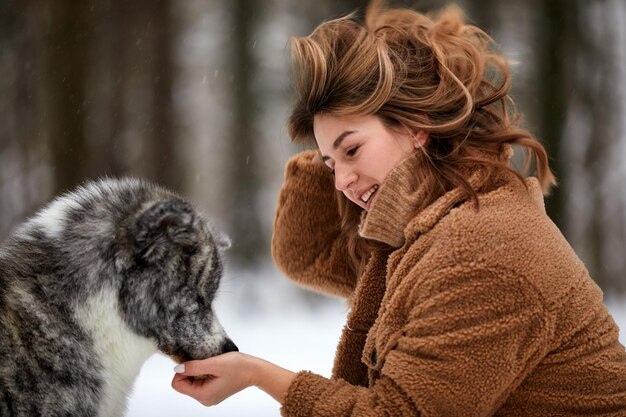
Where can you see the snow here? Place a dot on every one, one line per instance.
(269, 317)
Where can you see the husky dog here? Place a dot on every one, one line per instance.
(94, 284)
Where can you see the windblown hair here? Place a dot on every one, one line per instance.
(440, 75)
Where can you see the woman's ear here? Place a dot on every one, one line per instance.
(419, 138)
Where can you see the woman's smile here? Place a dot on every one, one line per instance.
(367, 197)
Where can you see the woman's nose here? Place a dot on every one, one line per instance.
(344, 178)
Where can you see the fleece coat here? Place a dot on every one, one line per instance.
(463, 312)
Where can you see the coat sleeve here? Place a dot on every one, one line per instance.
(307, 243)
(463, 347)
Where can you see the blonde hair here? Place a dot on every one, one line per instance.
(438, 74)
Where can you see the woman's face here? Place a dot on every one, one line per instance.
(361, 151)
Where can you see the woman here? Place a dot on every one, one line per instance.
(465, 299)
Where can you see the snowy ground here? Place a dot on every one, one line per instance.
(264, 317)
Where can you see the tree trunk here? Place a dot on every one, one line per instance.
(244, 222)
(554, 85)
(67, 55)
(166, 168)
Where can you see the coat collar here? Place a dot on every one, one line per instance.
(395, 205)
(393, 216)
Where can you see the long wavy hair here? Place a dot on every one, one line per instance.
(434, 73)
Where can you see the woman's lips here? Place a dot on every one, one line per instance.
(367, 197)
(368, 194)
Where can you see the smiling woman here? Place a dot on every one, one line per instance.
(361, 151)
(465, 299)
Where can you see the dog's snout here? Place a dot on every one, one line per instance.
(229, 346)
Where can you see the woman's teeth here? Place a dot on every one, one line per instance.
(366, 196)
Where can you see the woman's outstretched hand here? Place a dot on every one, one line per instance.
(212, 380)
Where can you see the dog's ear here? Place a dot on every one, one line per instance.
(222, 241)
(164, 225)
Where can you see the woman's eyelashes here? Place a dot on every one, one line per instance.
(352, 150)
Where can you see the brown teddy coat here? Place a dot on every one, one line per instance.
(466, 313)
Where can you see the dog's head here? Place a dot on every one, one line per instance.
(172, 271)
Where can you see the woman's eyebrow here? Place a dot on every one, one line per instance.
(337, 142)
(341, 137)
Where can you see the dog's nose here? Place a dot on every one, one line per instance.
(229, 346)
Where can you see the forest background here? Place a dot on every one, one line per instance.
(194, 95)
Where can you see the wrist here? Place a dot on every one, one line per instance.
(270, 378)
(255, 370)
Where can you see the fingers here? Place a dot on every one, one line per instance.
(210, 366)
(200, 390)
(224, 376)
(184, 381)
(193, 368)
(189, 386)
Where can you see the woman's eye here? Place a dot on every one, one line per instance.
(352, 151)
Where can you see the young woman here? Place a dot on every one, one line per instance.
(465, 299)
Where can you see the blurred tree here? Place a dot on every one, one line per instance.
(164, 166)
(592, 137)
(141, 72)
(23, 151)
(243, 178)
(88, 89)
(110, 73)
(554, 42)
(67, 46)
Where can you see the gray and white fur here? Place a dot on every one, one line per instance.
(94, 284)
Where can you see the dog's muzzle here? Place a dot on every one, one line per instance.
(229, 346)
(181, 356)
